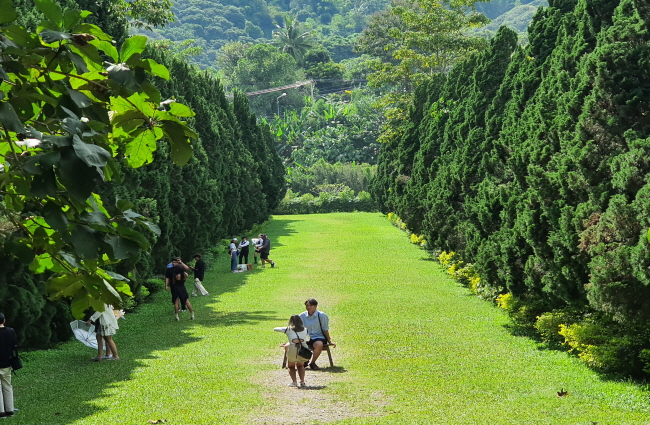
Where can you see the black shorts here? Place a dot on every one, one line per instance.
(264, 255)
(310, 343)
(179, 292)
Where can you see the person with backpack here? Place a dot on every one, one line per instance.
(8, 344)
(175, 282)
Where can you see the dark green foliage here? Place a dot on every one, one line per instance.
(532, 164)
(234, 180)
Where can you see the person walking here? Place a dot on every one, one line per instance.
(318, 326)
(175, 283)
(105, 327)
(199, 274)
(297, 334)
(233, 255)
(8, 343)
(244, 246)
(258, 245)
(265, 250)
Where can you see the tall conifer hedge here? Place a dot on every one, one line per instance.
(533, 164)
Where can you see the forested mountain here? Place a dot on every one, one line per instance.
(531, 163)
(214, 23)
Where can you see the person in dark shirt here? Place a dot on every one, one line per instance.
(175, 277)
(8, 342)
(199, 273)
(244, 246)
(265, 251)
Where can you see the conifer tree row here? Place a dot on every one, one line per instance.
(532, 164)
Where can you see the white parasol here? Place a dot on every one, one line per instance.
(84, 333)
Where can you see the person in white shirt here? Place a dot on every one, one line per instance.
(105, 327)
(243, 250)
(258, 245)
(297, 335)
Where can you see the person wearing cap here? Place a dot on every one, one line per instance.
(233, 255)
(318, 328)
(8, 342)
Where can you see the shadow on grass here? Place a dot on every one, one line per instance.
(333, 369)
(59, 386)
(313, 387)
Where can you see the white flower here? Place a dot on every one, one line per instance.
(84, 119)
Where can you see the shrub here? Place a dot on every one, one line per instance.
(153, 285)
(548, 326)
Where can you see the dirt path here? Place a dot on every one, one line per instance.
(311, 405)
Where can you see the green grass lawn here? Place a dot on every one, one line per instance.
(414, 347)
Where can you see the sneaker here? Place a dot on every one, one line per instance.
(263, 267)
(192, 318)
(303, 385)
(273, 264)
(293, 384)
(314, 366)
(107, 357)
(183, 310)
(177, 317)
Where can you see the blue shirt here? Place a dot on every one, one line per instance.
(313, 324)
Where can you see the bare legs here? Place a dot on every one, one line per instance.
(301, 371)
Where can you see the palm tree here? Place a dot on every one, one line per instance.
(290, 40)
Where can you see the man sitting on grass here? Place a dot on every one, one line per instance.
(318, 325)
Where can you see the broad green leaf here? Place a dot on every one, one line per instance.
(78, 62)
(51, 10)
(116, 276)
(151, 91)
(140, 150)
(80, 99)
(123, 76)
(181, 148)
(131, 46)
(50, 36)
(92, 30)
(81, 303)
(55, 217)
(130, 215)
(21, 36)
(8, 12)
(78, 178)
(181, 110)
(155, 68)
(107, 47)
(41, 263)
(123, 287)
(152, 226)
(72, 17)
(142, 104)
(84, 242)
(133, 235)
(9, 119)
(111, 290)
(124, 205)
(92, 155)
(122, 248)
(56, 285)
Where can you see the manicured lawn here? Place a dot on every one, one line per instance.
(414, 347)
